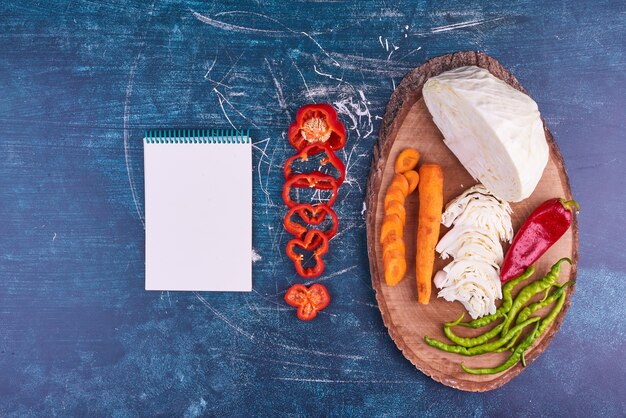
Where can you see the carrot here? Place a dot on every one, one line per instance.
(394, 261)
(429, 218)
(391, 225)
(393, 243)
(396, 207)
(406, 160)
(391, 237)
(393, 193)
(400, 182)
(395, 268)
(390, 254)
(413, 178)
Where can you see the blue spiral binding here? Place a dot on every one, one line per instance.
(197, 136)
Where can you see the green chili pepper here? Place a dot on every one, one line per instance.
(534, 307)
(539, 329)
(530, 290)
(509, 346)
(486, 347)
(553, 313)
(483, 321)
(511, 309)
(507, 301)
(455, 323)
(507, 289)
(472, 341)
(513, 358)
(469, 341)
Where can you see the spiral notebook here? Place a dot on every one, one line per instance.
(198, 191)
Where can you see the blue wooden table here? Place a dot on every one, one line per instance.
(81, 80)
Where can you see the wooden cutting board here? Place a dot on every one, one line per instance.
(407, 123)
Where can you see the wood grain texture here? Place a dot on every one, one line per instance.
(407, 123)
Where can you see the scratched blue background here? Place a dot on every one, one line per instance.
(81, 80)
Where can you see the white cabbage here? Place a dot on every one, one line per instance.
(493, 129)
(479, 208)
(480, 222)
(463, 239)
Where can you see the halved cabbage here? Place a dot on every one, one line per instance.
(494, 130)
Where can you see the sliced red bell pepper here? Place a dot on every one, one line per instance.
(315, 124)
(329, 157)
(308, 301)
(310, 181)
(311, 215)
(315, 241)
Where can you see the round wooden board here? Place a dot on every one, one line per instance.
(407, 123)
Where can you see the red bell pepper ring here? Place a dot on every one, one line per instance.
(540, 231)
(317, 124)
(308, 301)
(315, 241)
(304, 181)
(314, 149)
(311, 215)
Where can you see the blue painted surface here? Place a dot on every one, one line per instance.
(81, 80)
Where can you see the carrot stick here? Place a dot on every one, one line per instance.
(430, 189)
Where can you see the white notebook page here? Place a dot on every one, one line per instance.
(198, 216)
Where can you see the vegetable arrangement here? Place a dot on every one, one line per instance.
(540, 231)
(316, 133)
(497, 134)
(429, 182)
(511, 310)
(391, 233)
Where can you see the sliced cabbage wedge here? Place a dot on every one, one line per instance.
(480, 221)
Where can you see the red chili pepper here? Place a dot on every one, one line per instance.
(311, 215)
(314, 181)
(540, 231)
(308, 301)
(315, 241)
(315, 124)
(314, 149)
